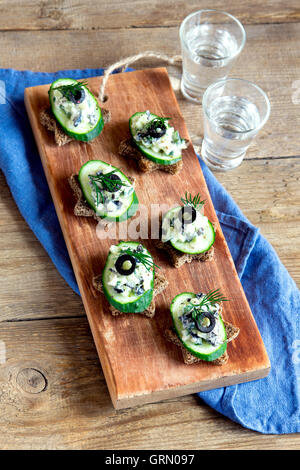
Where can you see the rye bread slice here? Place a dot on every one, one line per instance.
(127, 149)
(188, 358)
(81, 208)
(178, 258)
(160, 284)
(61, 138)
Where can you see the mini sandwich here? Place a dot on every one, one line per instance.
(129, 280)
(199, 329)
(74, 112)
(104, 192)
(186, 234)
(154, 144)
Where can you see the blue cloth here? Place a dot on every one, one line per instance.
(269, 405)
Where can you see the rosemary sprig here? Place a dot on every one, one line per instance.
(109, 184)
(144, 258)
(195, 201)
(71, 89)
(212, 297)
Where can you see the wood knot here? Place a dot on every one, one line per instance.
(31, 380)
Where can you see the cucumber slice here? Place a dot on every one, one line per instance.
(128, 304)
(157, 157)
(204, 351)
(81, 121)
(129, 204)
(200, 243)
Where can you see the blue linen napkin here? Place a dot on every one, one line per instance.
(270, 405)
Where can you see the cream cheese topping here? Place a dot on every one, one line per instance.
(170, 144)
(134, 284)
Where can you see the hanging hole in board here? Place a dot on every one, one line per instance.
(104, 99)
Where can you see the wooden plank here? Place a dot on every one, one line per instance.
(139, 365)
(53, 14)
(42, 293)
(264, 45)
(74, 411)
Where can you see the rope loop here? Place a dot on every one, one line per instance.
(124, 63)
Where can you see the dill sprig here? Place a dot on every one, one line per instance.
(153, 125)
(195, 201)
(144, 258)
(108, 184)
(157, 121)
(211, 298)
(71, 89)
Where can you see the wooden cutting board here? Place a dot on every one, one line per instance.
(139, 365)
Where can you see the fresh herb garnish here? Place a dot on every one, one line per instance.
(70, 90)
(108, 184)
(193, 201)
(211, 298)
(144, 258)
(155, 128)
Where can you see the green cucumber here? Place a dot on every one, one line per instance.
(134, 303)
(80, 129)
(199, 244)
(204, 351)
(157, 157)
(129, 205)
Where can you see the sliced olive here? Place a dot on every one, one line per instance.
(77, 96)
(125, 264)
(187, 215)
(201, 322)
(157, 128)
(112, 188)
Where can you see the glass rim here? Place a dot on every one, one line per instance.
(208, 10)
(247, 82)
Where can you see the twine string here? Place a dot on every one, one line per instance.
(124, 63)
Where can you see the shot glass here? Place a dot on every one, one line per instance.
(210, 42)
(234, 111)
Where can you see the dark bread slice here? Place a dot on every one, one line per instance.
(127, 149)
(178, 258)
(160, 284)
(81, 208)
(188, 358)
(49, 122)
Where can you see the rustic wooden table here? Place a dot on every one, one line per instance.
(52, 391)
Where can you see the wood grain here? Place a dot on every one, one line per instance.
(74, 410)
(91, 15)
(79, 414)
(265, 43)
(139, 365)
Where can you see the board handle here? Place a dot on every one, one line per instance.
(124, 63)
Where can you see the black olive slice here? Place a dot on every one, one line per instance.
(119, 264)
(157, 129)
(187, 215)
(77, 96)
(116, 187)
(199, 322)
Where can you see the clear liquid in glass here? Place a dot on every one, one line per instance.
(207, 58)
(231, 126)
